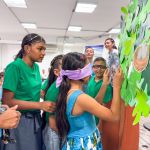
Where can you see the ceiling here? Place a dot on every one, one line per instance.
(53, 17)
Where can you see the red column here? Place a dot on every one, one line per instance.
(120, 135)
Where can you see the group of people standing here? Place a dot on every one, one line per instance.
(71, 110)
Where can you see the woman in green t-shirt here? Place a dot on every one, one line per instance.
(22, 84)
(51, 139)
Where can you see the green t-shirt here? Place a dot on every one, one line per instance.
(93, 89)
(51, 95)
(44, 85)
(23, 81)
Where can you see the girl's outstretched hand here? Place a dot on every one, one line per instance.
(106, 77)
(118, 78)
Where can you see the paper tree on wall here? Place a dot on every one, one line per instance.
(134, 56)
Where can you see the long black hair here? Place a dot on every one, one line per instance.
(28, 40)
(51, 78)
(55, 63)
(71, 61)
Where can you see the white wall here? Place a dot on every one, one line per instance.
(7, 54)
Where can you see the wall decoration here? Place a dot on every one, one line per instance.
(134, 50)
(141, 58)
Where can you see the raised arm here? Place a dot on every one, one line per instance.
(106, 81)
(89, 104)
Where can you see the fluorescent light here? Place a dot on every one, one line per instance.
(115, 31)
(16, 3)
(74, 28)
(68, 44)
(85, 8)
(10, 42)
(29, 25)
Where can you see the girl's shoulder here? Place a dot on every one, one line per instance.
(115, 51)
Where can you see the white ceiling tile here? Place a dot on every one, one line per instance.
(53, 17)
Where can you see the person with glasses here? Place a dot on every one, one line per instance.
(109, 130)
(95, 83)
(21, 86)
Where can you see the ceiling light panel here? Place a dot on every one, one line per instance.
(29, 25)
(16, 3)
(74, 28)
(86, 6)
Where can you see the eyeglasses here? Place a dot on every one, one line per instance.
(99, 66)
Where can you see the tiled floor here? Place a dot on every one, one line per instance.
(144, 135)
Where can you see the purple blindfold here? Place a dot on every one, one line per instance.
(74, 74)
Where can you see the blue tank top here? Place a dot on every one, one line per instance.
(80, 125)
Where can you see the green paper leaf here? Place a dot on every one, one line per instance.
(137, 118)
(147, 36)
(143, 14)
(129, 87)
(128, 22)
(133, 5)
(128, 45)
(134, 77)
(124, 10)
(145, 83)
(140, 35)
(135, 111)
(132, 102)
(124, 65)
(136, 86)
(148, 6)
(141, 108)
(142, 17)
(141, 96)
(129, 34)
